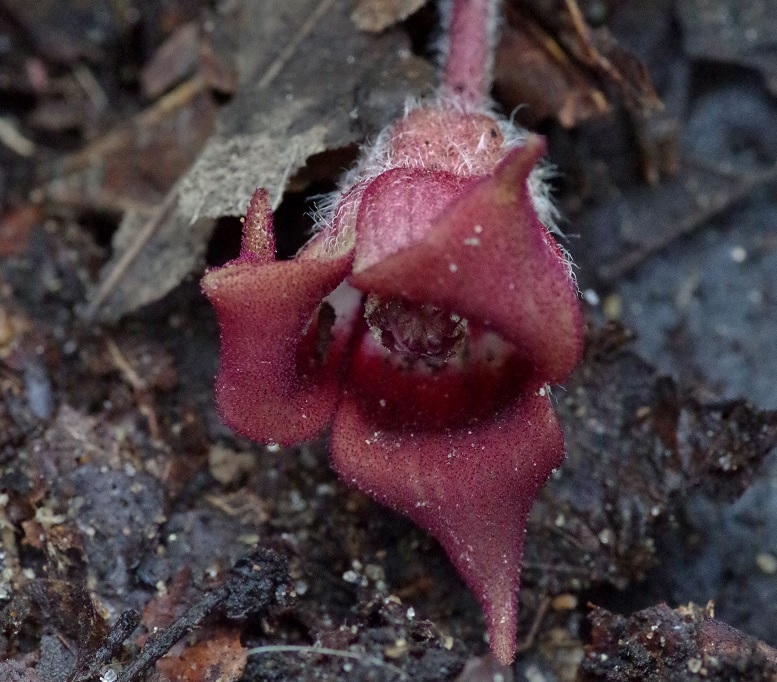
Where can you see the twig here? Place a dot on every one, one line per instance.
(8, 542)
(91, 86)
(160, 110)
(545, 567)
(124, 366)
(113, 641)
(362, 658)
(101, 200)
(14, 140)
(528, 642)
(591, 56)
(162, 641)
(581, 29)
(143, 396)
(251, 582)
(622, 266)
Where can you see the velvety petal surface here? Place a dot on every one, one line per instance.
(398, 208)
(281, 350)
(486, 257)
(470, 487)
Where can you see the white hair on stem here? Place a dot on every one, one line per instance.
(470, 67)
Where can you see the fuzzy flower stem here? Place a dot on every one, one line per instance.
(471, 36)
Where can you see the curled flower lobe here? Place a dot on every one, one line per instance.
(281, 345)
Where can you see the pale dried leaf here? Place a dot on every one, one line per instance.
(166, 256)
(302, 68)
(377, 15)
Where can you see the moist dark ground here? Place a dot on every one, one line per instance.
(120, 489)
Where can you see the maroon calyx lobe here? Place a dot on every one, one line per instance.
(281, 348)
(471, 486)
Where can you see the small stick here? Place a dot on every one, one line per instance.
(130, 254)
(158, 112)
(528, 643)
(113, 641)
(13, 139)
(162, 641)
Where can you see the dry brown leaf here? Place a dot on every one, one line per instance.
(173, 61)
(281, 115)
(377, 15)
(530, 69)
(219, 656)
(552, 60)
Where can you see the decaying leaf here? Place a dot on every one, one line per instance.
(684, 644)
(636, 446)
(557, 65)
(734, 32)
(217, 657)
(296, 98)
(529, 68)
(377, 15)
(175, 60)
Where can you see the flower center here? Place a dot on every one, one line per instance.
(417, 331)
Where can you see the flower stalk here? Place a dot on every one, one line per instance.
(470, 50)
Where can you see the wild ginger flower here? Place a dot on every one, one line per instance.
(423, 324)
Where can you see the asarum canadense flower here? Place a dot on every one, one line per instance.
(422, 324)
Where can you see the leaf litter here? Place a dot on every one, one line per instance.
(279, 117)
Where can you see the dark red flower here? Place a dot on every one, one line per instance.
(423, 324)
